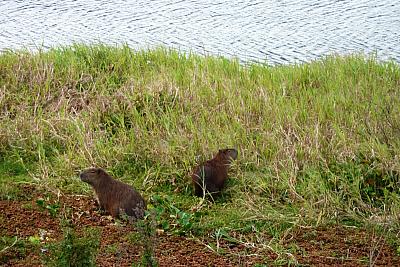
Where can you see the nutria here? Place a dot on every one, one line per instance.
(113, 196)
(210, 176)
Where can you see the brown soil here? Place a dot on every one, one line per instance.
(335, 246)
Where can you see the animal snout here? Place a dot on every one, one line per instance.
(80, 174)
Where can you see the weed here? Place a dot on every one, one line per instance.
(171, 218)
(74, 250)
(51, 208)
(145, 236)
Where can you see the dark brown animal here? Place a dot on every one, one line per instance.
(114, 196)
(210, 177)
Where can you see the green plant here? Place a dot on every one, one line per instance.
(171, 218)
(74, 250)
(145, 236)
(112, 249)
(51, 208)
(14, 248)
(318, 141)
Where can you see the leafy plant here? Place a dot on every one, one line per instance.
(171, 218)
(51, 208)
(74, 250)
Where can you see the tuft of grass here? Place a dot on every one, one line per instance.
(318, 142)
(74, 250)
(13, 173)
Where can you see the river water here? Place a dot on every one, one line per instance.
(269, 31)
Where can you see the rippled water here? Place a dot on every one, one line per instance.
(276, 31)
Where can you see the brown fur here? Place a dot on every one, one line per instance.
(210, 176)
(114, 196)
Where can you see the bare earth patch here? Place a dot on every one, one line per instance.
(334, 246)
(342, 246)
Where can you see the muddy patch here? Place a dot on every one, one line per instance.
(41, 218)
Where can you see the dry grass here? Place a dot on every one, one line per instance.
(318, 143)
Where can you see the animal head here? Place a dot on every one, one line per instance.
(92, 175)
(228, 153)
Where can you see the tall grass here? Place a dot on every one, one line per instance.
(318, 142)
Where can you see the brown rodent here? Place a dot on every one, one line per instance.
(210, 176)
(114, 196)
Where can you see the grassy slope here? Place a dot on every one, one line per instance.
(318, 143)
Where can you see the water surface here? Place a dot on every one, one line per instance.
(272, 31)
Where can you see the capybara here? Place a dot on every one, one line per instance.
(210, 176)
(114, 197)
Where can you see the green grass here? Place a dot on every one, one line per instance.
(12, 173)
(74, 250)
(318, 142)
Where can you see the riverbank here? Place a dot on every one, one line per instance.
(318, 143)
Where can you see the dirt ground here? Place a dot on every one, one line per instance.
(335, 246)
